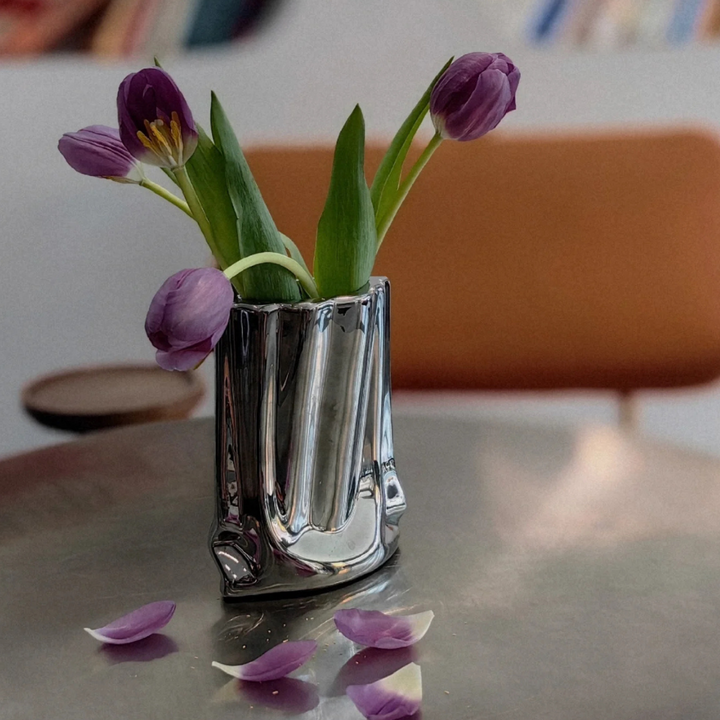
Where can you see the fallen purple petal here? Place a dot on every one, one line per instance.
(392, 698)
(136, 625)
(274, 664)
(387, 632)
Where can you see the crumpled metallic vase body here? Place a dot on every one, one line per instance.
(307, 493)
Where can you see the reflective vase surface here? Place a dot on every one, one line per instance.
(307, 493)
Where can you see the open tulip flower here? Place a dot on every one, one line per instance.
(156, 124)
(467, 99)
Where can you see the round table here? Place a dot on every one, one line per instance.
(574, 573)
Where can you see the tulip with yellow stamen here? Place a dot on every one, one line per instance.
(156, 124)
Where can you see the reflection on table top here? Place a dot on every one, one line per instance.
(573, 573)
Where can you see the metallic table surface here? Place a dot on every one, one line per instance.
(573, 574)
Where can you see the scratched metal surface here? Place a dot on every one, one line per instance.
(572, 574)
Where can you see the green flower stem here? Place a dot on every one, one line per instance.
(304, 277)
(196, 209)
(166, 194)
(404, 189)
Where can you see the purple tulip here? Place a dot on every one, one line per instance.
(98, 151)
(187, 316)
(156, 124)
(473, 95)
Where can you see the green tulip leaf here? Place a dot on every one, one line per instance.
(346, 235)
(387, 178)
(206, 169)
(255, 227)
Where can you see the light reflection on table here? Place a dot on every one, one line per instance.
(573, 573)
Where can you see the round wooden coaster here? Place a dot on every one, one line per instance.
(84, 399)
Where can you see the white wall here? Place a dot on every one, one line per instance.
(81, 258)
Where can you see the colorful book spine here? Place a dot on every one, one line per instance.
(215, 22)
(616, 25)
(126, 28)
(44, 29)
(109, 36)
(708, 26)
(582, 20)
(684, 21)
(655, 17)
(171, 26)
(548, 19)
(136, 38)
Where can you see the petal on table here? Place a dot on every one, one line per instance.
(376, 629)
(394, 697)
(136, 625)
(274, 664)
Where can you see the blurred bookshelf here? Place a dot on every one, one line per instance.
(120, 28)
(617, 23)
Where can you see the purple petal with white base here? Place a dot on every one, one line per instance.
(394, 697)
(274, 664)
(372, 628)
(136, 625)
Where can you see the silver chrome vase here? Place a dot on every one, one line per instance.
(307, 493)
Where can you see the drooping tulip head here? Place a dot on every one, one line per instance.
(473, 95)
(98, 151)
(187, 317)
(156, 124)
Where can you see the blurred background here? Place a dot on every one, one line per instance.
(82, 258)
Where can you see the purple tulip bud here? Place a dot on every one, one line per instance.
(187, 316)
(473, 95)
(156, 124)
(98, 151)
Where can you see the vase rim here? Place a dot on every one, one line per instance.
(377, 282)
